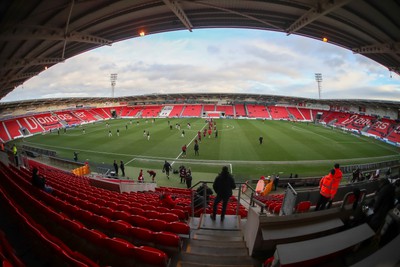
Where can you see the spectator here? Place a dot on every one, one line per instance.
(188, 178)
(276, 182)
(356, 175)
(381, 204)
(166, 200)
(122, 167)
(223, 185)
(39, 181)
(337, 178)
(325, 185)
(182, 173)
(115, 167)
(15, 153)
(268, 186)
(204, 191)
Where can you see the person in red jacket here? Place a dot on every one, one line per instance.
(166, 200)
(325, 192)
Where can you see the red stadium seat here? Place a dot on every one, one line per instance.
(120, 227)
(178, 228)
(138, 220)
(151, 256)
(120, 247)
(157, 225)
(142, 234)
(169, 217)
(167, 239)
(303, 206)
(136, 211)
(94, 236)
(152, 214)
(121, 215)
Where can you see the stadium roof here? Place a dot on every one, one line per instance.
(37, 34)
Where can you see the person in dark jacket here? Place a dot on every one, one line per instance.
(223, 185)
(39, 181)
(381, 204)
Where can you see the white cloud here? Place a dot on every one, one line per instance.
(241, 61)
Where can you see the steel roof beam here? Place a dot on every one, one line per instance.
(23, 76)
(26, 62)
(179, 12)
(389, 48)
(27, 32)
(323, 7)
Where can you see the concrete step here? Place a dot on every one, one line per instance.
(215, 260)
(193, 264)
(218, 251)
(218, 238)
(216, 244)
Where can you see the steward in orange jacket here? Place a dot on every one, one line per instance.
(325, 192)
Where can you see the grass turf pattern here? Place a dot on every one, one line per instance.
(288, 147)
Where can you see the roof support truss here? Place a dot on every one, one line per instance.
(28, 32)
(179, 12)
(322, 8)
(26, 62)
(23, 76)
(390, 48)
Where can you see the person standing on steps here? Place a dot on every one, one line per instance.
(223, 186)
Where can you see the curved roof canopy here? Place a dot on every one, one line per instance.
(37, 34)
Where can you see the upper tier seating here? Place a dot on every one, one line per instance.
(84, 115)
(192, 111)
(228, 109)
(306, 113)
(240, 110)
(279, 113)
(151, 111)
(13, 128)
(176, 111)
(257, 111)
(296, 113)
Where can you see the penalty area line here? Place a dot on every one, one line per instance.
(130, 161)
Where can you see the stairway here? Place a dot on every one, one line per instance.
(216, 244)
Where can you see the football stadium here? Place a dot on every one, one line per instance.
(196, 178)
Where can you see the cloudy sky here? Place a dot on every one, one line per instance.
(217, 61)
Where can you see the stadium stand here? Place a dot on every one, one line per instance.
(31, 125)
(296, 114)
(192, 111)
(240, 110)
(48, 121)
(257, 111)
(226, 109)
(278, 113)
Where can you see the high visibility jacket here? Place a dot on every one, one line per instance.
(14, 149)
(337, 177)
(267, 189)
(325, 185)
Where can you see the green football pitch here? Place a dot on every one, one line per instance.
(298, 148)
